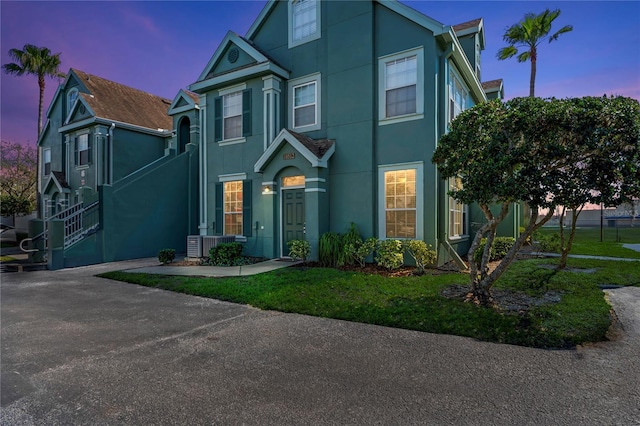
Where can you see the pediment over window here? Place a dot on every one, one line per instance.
(184, 101)
(81, 110)
(236, 59)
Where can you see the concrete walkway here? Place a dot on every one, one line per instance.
(216, 271)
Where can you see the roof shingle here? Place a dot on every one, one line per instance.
(115, 101)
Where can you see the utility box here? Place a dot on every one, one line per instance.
(194, 246)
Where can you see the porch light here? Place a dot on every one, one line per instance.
(266, 189)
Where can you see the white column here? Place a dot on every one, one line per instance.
(271, 118)
(203, 175)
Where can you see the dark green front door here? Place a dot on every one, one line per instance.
(292, 217)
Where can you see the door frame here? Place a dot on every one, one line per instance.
(282, 200)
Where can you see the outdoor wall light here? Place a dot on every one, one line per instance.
(266, 189)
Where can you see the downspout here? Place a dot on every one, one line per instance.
(442, 237)
(110, 168)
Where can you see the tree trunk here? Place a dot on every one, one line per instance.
(532, 79)
(566, 248)
(40, 101)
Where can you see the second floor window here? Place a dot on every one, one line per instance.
(304, 19)
(304, 105)
(72, 97)
(46, 159)
(232, 115)
(83, 150)
(401, 77)
(458, 96)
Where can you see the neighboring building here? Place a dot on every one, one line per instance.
(113, 171)
(327, 113)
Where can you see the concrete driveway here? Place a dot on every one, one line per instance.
(77, 349)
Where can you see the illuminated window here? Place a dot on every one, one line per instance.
(233, 208)
(401, 201)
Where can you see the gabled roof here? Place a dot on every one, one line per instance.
(316, 151)
(471, 27)
(114, 101)
(184, 101)
(58, 180)
(494, 86)
(263, 64)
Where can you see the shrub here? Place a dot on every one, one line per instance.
(549, 243)
(422, 253)
(351, 238)
(299, 249)
(501, 246)
(329, 249)
(390, 254)
(166, 256)
(225, 254)
(359, 251)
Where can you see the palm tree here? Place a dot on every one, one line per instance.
(36, 61)
(528, 34)
(40, 62)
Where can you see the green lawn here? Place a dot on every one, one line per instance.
(415, 303)
(587, 241)
(7, 259)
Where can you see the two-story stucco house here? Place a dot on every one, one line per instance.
(328, 112)
(114, 174)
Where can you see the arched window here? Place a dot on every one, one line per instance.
(184, 134)
(72, 96)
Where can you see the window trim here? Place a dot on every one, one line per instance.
(465, 216)
(382, 218)
(225, 97)
(246, 128)
(310, 37)
(224, 206)
(418, 52)
(46, 151)
(454, 75)
(302, 81)
(77, 151)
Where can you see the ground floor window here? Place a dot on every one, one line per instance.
(400, 201)
(457, 212)
(233, 208)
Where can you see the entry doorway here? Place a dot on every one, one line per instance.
(293, 222)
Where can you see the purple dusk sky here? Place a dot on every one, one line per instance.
(161, 47)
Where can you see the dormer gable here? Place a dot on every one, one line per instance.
(236, 59)
(471, 37)
(80, 110)
(183, 101)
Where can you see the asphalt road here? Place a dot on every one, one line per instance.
(77, 349)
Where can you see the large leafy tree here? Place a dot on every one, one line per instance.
(601, 139)
(542, 152)
(17, 178)
(528, 34)
(38, 61)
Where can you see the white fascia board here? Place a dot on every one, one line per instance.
(55, 98)
(265, 67)
(324, 161)
(181, 95)
(120, 124)
(464, 66)
(413, 15)
(284, 137)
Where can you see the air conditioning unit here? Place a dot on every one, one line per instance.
(194, 246)
(210, 241)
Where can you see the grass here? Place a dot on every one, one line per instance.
(416, 303)
(7, 259)
(587, 241)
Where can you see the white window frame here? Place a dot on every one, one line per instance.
(80, 164)
(222, 93)
(456, 82)
(457, 207)
(418, 52)
(299, 82)
(418, 166)
(46, 159)
(313, 36)
(225, 99)
(225, 213)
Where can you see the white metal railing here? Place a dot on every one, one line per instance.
(79, 221)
